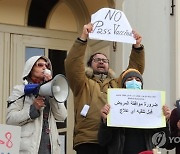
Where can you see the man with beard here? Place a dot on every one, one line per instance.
(90, 86)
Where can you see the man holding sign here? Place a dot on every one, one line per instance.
(90, 88)
(123, 140)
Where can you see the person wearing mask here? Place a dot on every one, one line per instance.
(120, 140)
(36, 115)
(90, 86)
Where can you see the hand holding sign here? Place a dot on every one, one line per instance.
(86, 30)
(111, 25)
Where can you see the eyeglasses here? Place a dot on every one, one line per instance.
(42, 64)
(97, 60)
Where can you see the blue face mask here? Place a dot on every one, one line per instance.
(133, 84)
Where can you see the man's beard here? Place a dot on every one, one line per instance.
(96, 72)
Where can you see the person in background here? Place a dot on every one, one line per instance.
(36, 115)
(90, 86)
(175, 128)
(120, 140)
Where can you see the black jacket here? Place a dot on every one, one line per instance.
(113, 138)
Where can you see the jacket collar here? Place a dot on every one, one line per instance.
(90, 74)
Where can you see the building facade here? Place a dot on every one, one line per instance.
(33, 27)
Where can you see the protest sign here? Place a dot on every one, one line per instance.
(111, 25)
(9, 139)
(136, 108)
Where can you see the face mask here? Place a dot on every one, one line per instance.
(133, 84)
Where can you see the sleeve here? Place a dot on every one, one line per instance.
(17, 112)
(169, 145)
(74, 66)
(175, 132)
(59, 110)
(34, 113)
(137, 59)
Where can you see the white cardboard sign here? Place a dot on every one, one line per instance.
(9, 139)
(111, 25)
(136, 108)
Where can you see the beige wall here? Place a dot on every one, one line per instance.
(177, 55)
(157, 27)
(160, 31)
(4, 73)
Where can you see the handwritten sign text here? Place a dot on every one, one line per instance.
(111, 25)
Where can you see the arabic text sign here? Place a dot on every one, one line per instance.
(9, 139)
(136, 108)
(111, 25)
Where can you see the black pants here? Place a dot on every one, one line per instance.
(90, 148)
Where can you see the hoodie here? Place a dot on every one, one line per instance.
(18, 113)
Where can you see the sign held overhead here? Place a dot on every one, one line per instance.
(111, 25)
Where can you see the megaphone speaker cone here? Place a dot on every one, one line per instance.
(57, 87)
(60, 88)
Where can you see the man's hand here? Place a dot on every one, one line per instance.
(138, 39)
(86, 30)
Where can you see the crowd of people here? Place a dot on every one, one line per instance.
(37, 115)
